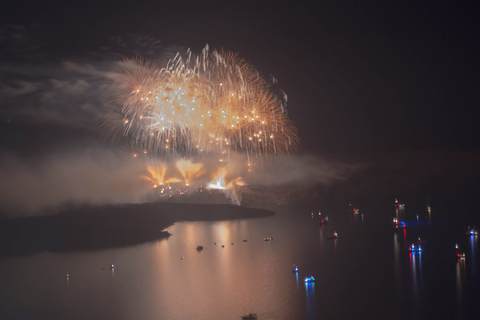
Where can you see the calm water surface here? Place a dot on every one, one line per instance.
(367, 273)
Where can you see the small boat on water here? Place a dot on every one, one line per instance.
(295, 269)
(472, 231)
(460, 255)
(244, 240)
(112, 266)
(309, 279)
(268, 239)
(199, 248)
(323, 221)
(249, 315)
(334, 236)
(412, 248)
(398, 224)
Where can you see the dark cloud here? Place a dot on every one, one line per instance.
(43, 87)
(20, 41)
(65, 92)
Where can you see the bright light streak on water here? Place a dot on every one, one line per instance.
(460, 277)
(396, 255)
(473, 242)
(311, 299)
(414, 274)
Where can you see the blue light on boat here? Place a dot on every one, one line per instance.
(310, 279)
(415, 249)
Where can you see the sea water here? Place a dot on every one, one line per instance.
(367, 273)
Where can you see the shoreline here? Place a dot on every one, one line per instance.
(88, 227)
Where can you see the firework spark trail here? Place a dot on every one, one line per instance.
(193, 175)
(231, 188)
(189, 170)
(210, 103)
(218, 180)
(204, 106)
(157, 174)
(234, 186)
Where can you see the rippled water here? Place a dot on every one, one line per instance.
(367, 273)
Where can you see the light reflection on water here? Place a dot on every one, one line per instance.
(416, 272)
(460, 278)
(473, 247)
(397, 260)
(311, 299)
(152, 281)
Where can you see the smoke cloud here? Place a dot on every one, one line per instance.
(42, 184)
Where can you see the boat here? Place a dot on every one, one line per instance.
(323, 221)
(268, 239)
(249, 315)
(309, 279)
(112, 266)
(472, 231)
(295, 269)
(399, 224)
(334, 236)
(244, 240)
(461, 255)
(223, 246)
(199, 248)
(415, 249)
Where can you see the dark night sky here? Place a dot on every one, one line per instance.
(363, 78)
(376, 76)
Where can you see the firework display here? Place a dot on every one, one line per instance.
(198, 106)
(211, 103)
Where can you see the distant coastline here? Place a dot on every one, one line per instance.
(101, 227)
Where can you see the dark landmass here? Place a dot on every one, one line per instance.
(95, 227)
